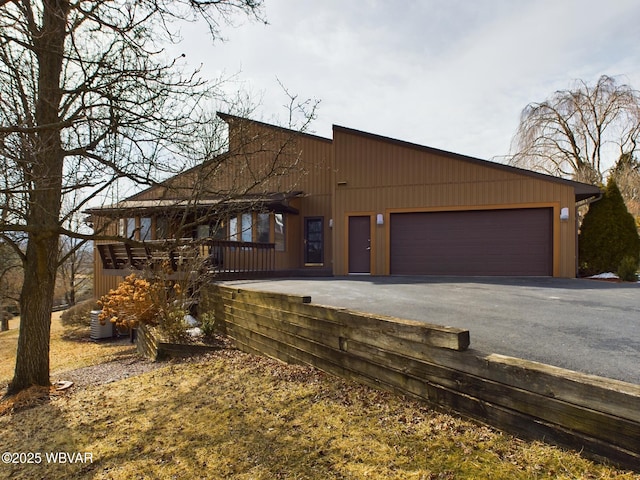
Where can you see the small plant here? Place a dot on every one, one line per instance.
(627, 270)
(172, 325)
(208, 324)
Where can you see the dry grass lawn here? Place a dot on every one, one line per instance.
(70, 349)
(233, 415)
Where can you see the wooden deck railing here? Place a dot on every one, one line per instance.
(222, 258)
(239, 259)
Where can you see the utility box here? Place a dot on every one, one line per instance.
(99, 331)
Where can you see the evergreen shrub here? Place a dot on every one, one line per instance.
(627, 270)
(608, 234)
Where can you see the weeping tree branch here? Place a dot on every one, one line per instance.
(579, 133)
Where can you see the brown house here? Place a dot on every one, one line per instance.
(280, 203)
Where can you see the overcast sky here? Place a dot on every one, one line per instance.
(450, 74)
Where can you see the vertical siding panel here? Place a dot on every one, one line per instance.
(385, 176)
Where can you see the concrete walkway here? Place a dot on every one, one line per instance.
(583, 325)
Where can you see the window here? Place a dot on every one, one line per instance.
(233, 229)
(262, 228)
(162, 227)
(145, 228)
(218, 231)
(246, 234)
(203, 231)
(314, 241)
(279, 233)
(131, 227)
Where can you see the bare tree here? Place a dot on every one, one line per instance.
(88, 97)
(579, 133)
(10, 281)
(75, 266)
(626, 173)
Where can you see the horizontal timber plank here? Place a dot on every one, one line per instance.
(602, 394)
(617, 430)
(530, 399)
(360, 370)
(610, 396)
(320, 331)
(280, 338)
(329, 336)
(413, 330)
(270, 297)
(278, 315)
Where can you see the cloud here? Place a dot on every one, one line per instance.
(450, 74)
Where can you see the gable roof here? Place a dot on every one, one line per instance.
(583, 191)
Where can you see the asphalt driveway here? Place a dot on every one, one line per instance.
(584, 325)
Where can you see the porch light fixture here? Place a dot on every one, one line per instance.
(564, 214)
(380, 219)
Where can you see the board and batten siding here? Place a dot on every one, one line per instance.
(263, 159)
(374, 175)
(103, 284)
(307, 167)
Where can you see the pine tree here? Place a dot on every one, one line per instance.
(608, 234)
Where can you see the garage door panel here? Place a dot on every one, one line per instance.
(482, 242)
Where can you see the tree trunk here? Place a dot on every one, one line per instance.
(44, 170)
(36, 300)
(71, 294)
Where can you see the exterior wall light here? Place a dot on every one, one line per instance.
(380, 219)
(564, 214)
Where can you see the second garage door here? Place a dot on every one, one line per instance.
(478, 242)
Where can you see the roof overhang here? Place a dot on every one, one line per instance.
(272, 202)
(584, 191)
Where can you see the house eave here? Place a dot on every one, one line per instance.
(274, 202)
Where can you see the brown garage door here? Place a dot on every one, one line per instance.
(478, 242)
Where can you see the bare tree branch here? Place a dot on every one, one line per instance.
(579, 133)
(87, 97)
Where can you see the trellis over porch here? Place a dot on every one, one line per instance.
(222, 259)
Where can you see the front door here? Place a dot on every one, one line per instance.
(360, 244)
(313, 241)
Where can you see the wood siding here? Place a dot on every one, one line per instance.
(360, 174)
(262, 159)
(379, 175)
(305, 165)
(102, 283)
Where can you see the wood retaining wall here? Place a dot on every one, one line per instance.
(595, 415)
(149, 344)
